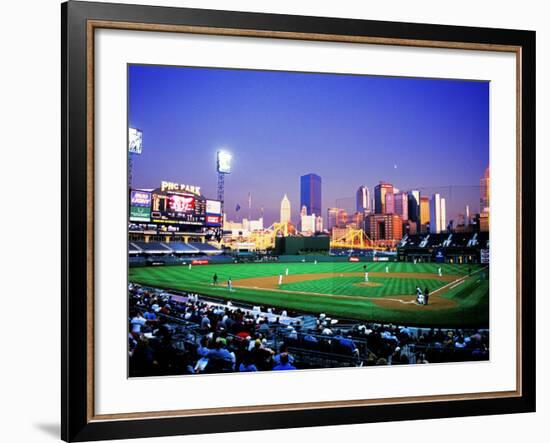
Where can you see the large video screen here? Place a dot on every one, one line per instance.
(180, 209)
(181, 204)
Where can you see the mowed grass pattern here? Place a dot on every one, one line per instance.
(352, 286)
(471, 297)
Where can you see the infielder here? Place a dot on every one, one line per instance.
(286, 271)
(366, 277)
(387, 269)
(280, 279)
(439, 272)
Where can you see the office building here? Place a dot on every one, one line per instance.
(413, 200)
(401, 205)
(424, 214)
(380, 192)
(310, 193)
(484, 192)
(285, 210)
(438, 217)
(363, 200)
(384, 229)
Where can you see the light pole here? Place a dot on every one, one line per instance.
(223, 167)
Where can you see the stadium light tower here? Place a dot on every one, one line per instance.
(135, 145)
(223, 166)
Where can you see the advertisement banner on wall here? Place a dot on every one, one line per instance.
(140, 213)
(439, 256)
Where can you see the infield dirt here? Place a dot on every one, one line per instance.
(405, 301)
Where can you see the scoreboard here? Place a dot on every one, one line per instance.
(174, 208)
(178, 209)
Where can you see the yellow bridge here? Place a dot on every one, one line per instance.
(351, 239)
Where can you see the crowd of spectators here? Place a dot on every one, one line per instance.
(189, 334)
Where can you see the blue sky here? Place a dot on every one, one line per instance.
(349, 129)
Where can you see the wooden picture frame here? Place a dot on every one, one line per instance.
(79, 22)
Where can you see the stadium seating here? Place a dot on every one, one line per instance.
(133, 249)
(182, 248)
(152, 247)
(188, 333)
(205, 248)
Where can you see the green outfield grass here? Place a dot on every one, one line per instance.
(471, 297)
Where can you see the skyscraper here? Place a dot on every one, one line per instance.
(363, 200)
(443, 214)
(380, 191)
(401, 206)
(332, 218)
(285, 210)
(424, 213)
(310, 193)
(438, 216)
(342, 218)
(337, 217)
(414, 205)
(307, 223)
(357, 220)
(484, 192)
(318, 223)
(390, 203)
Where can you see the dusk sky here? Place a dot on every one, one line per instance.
(350, 129)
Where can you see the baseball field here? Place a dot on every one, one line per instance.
(458, 298)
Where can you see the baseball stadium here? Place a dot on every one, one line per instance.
(208, 296)
(321, 270)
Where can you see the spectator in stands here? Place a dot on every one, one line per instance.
(216, 337)
(261, 356)
(205, 323)
(284, 364)
(138, 322)
(247, 365)
(221, 355)
(143, 361)
(150, 315)
(283, 350)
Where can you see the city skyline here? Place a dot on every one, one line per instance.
(285, 125)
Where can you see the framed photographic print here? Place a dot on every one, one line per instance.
(279, 221)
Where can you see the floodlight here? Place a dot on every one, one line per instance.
(135, 140)
(224, 162)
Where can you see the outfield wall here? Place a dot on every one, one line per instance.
(137, 261)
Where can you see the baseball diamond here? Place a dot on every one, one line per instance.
(458, 298)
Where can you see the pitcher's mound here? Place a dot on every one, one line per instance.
(368, 283)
